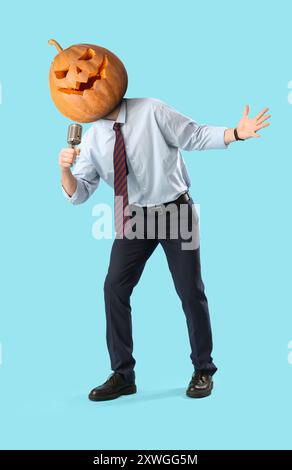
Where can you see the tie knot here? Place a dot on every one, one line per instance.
(117, 126)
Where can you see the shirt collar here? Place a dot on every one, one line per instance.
(121, 116)
(122, 113)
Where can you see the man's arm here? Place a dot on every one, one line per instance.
(247, 127)
(78, 184)
(67, 159)
(183, 132)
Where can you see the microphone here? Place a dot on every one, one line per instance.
(74, 135)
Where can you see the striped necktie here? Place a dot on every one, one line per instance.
(120, 181)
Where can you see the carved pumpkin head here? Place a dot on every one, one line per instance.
(86, 81)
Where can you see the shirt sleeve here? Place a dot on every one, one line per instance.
(85, 174)
(183, 132)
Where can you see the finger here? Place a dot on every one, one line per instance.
(261, 126)
(256, 135)
(261, 113)
(246, 110)
(69, 160)
(67, 154)
(78, 151)
(259, 121)
(67, 149)
(68, 157)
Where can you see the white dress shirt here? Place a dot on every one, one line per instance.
(153, 133)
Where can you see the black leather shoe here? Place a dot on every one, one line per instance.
(200, 386)
(114, 387)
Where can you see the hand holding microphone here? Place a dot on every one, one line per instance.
(68, 156)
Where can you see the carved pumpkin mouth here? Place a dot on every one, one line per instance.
(80, 87)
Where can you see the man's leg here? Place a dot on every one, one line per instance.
(185, 268)
(127, 261)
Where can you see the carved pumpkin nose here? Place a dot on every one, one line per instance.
(86, 81)
(75, 77)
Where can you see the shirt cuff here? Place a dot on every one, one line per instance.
(218, 138)
(75, 196)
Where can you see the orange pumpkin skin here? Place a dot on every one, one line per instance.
(86, 81)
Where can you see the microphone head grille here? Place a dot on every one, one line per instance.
(74, 134)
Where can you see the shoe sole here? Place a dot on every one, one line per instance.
(200, 394)
(126, 391)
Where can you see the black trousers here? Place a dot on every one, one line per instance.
(127, 261)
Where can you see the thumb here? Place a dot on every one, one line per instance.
(78, 152)
(246, 110)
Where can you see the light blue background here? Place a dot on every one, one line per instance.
(207, 59)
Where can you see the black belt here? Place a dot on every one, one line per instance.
(182, 199)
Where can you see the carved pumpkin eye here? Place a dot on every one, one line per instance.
(88, 54)
(61, 73)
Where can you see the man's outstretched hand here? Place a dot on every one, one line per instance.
(248, 127)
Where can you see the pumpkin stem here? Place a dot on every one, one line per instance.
(52, 42)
